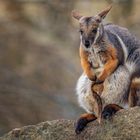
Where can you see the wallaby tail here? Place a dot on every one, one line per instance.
(98, 104)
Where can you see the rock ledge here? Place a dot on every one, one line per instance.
(125, 125)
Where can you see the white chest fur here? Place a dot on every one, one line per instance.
(113, 93)
(84, 93)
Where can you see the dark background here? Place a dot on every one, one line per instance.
(39, 58)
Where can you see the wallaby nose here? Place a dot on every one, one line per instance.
(87, 43)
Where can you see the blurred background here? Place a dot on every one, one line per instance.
(39, 59)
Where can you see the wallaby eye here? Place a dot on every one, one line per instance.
(81, 31)
(94, 31)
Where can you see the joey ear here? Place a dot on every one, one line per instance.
(76, 14)
(103, 14)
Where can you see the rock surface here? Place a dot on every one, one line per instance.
(125, 125)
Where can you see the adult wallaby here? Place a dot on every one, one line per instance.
(109, 55)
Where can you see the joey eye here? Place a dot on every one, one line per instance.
(94, 31)
(81, 31)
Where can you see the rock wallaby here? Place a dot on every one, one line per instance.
(110, 58)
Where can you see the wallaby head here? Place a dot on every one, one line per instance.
(91, 28)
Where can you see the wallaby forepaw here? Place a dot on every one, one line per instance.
(98, 81)
(93, 78)
(80, 125)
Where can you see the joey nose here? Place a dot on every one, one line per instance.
(87, 43)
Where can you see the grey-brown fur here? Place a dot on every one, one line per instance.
(129, 67)
(116, 86)
(132, 44)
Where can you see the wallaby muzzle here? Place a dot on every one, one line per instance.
(87, 43)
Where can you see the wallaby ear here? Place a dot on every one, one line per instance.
(104, 12)
(76, 14)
